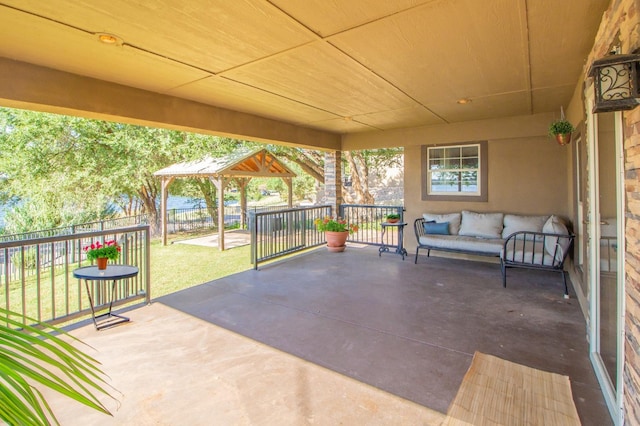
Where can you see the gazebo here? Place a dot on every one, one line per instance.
(240, 166)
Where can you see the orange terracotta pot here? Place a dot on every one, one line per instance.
(102, 262)
(336, 241)
(563, 139)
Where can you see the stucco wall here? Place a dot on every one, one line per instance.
(526, 176)
(44, 89)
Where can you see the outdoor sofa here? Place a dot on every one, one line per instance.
(534, 242)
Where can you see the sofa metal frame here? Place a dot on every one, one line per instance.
(537, 241)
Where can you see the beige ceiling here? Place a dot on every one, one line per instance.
(333, 65)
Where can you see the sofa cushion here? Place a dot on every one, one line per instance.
(436, 228)
(516, 223)
(452, 218)
(555, 225)
(469, 244)
(481, 225)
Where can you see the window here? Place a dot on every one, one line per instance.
(455, 172)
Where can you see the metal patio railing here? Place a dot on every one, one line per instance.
(190, 219)
(282, 232)
(369, 217)
(37, 279)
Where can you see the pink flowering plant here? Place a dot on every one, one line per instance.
(110, 250)
(334, 225)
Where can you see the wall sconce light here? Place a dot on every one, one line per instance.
(616, 82)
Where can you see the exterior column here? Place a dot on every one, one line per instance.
(622, 20)
(289, 182)
(333, 180)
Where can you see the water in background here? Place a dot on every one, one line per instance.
(177, 202)
(173, 202)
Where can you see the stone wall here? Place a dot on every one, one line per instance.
(632, 267)
(333, 179)
(621, 25)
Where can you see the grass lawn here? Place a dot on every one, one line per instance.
(173, 267)
(178, 266)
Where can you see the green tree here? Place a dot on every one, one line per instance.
(68, 169)
(60, 170)
(358, 165)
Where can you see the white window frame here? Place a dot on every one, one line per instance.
(458, 171)
(481, 170)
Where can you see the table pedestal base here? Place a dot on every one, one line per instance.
(107, 320)
(399, 249)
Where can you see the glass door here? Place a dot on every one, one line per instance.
(608, 244)
(605, 252)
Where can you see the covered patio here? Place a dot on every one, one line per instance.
(336, 338)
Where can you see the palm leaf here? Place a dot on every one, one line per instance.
(31, 355)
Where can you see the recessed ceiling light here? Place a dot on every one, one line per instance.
(109, 39)
(464, 101)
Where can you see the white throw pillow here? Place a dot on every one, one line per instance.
(555, 225)
(452, 218)
(516, 223)
(481, 225)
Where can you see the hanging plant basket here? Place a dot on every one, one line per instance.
(561, 130)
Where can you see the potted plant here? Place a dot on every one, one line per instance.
(336, 232)
(392, 217)
(110, 250)
(561, 130)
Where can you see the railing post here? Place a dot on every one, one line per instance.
(304, 227)
(253, 228)
(147, 264)
(73, 245)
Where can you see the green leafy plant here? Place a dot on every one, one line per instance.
(31, 355)
(110, 250)
(393, 216)
(560, 127)
(334, 225)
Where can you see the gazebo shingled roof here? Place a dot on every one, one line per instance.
(241, 165)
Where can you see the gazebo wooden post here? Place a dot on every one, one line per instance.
(166, 181)
(220, 183)
(242, 183)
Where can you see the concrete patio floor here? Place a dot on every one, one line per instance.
(336, 338)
